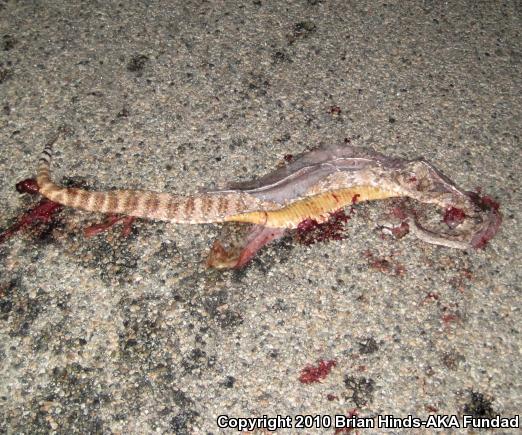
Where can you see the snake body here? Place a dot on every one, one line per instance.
(310, 187)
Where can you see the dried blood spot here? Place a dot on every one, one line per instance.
(335, 110)
(29, 185)
(288, 158)
(311, 374)
(43, 212)
(449, 318)
(453, 217)
(310, 231)
(384, 266)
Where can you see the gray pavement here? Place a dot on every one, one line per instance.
(136, 335)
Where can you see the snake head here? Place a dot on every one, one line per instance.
(423, 182)
(473, 219)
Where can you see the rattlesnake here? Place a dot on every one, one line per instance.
(310, 187)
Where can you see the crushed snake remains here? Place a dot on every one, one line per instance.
(310, 187)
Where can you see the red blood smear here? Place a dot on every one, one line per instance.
(311, 374)
(42, 212)
(453, 217)
(29, 185)
(310, 231)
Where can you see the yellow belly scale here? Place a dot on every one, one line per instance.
(313, 207)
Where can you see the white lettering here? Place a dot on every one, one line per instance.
(346, 422)
(442, 421)
(391, 422)
(491, 423)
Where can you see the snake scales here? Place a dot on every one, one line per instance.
(310, 187)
